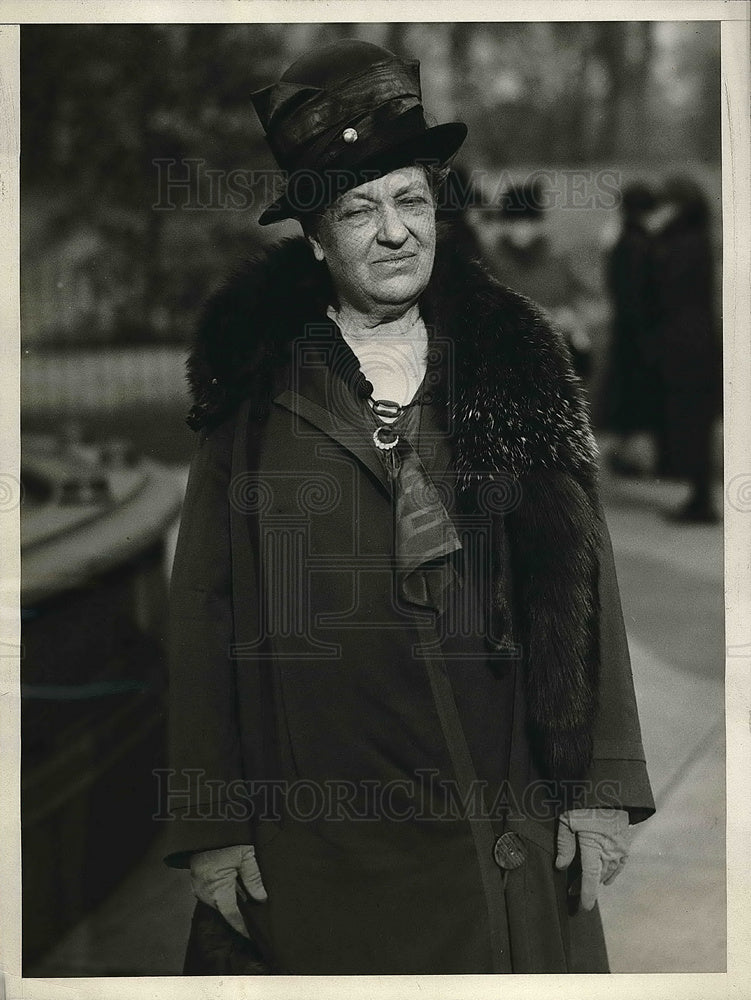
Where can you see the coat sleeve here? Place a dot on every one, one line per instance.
(205, 754)
(618, 776)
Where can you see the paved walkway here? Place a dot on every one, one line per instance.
(666, 913)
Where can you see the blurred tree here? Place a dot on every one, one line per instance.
(624, 52)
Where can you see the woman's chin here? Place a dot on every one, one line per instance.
(398, 291)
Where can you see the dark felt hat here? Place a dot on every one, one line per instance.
(343, 114)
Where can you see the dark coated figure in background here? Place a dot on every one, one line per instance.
(690, 346)
(634, 399)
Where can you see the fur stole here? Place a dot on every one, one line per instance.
(520, 420)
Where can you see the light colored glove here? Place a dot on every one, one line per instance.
(214, 877)
(603, 843)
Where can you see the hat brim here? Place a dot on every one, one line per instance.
(433, 145)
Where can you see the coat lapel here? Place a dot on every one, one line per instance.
(318, 416)
(321, 391)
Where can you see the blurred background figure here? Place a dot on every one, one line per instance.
(690, 349)
(633, 399)
(526, 261)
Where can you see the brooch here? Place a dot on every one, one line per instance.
(385, 438)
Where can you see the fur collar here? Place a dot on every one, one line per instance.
(520, 419)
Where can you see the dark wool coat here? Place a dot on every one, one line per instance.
(293, 660)
(634, 392)
(690, 344)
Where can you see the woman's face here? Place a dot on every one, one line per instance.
(378, 241)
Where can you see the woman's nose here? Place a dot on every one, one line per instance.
(391, 229)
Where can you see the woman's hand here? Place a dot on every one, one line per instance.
(217, 875)
(603, 844)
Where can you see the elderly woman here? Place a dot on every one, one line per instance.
(405, 738)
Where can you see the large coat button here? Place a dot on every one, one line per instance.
(509, 852)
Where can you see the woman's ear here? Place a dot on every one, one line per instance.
(310, 230)
(317, 248)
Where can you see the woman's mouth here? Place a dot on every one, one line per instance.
(395, 259)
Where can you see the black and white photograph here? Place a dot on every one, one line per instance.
(379, 472)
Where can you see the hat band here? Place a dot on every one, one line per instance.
(397, 119)
(325, 111)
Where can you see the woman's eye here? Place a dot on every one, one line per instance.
(353, 213)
